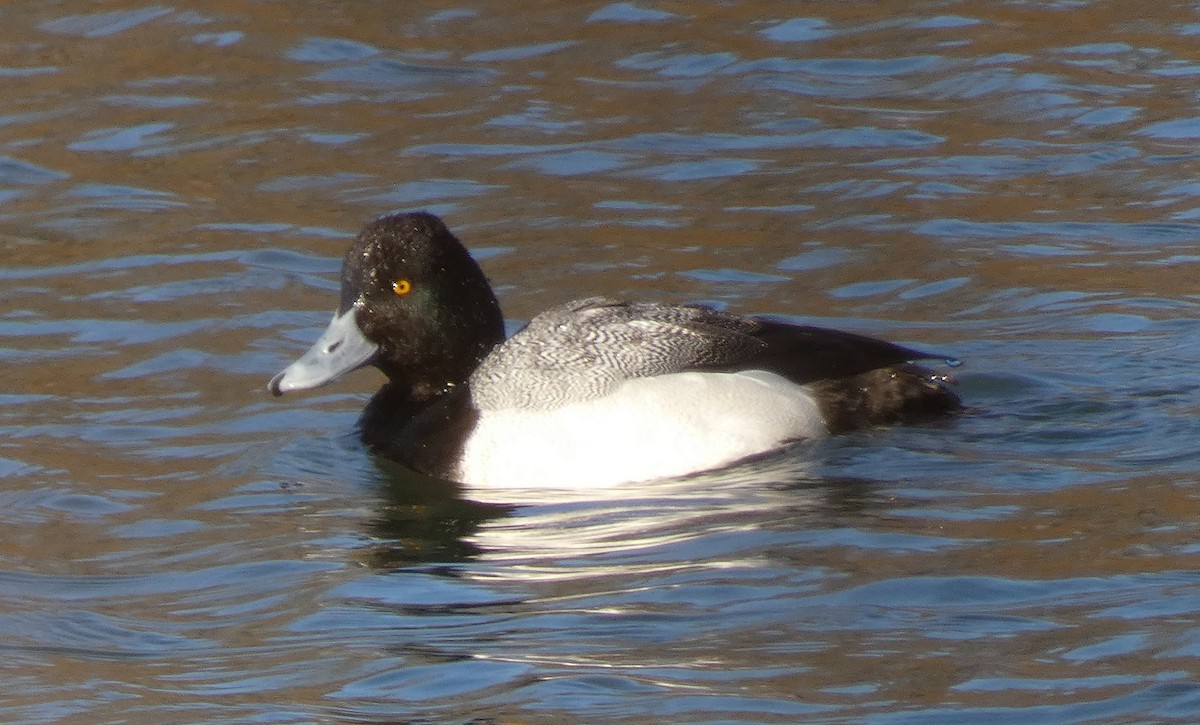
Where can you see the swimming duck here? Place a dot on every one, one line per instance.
(593, 392)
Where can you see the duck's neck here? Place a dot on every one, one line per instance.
(428, 437)
(443, 364)
(388, 411)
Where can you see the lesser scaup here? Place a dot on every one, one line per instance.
(593, 392)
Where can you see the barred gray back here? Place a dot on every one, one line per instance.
(583, 349)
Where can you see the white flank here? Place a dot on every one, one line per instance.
(647, 428)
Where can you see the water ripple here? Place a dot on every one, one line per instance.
(179, 187)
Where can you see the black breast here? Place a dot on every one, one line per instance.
(427, 437)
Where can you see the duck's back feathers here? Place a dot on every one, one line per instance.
(583, 350)
(806, 354)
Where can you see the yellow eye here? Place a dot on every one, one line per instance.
(402, 287)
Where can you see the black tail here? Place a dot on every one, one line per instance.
(897, 394)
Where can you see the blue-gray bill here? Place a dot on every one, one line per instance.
(340, 349)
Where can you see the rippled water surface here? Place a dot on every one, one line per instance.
(1013, 183)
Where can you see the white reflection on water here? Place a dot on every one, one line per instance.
(561, 524)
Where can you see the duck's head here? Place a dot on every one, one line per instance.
(414, 304)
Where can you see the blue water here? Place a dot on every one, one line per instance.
(1011, 185)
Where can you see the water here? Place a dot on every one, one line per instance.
(1011, 184)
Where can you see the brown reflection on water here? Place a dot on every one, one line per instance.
(244, 112)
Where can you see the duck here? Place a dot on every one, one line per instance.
(593, 392)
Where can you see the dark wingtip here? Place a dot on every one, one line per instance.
(273, 386)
